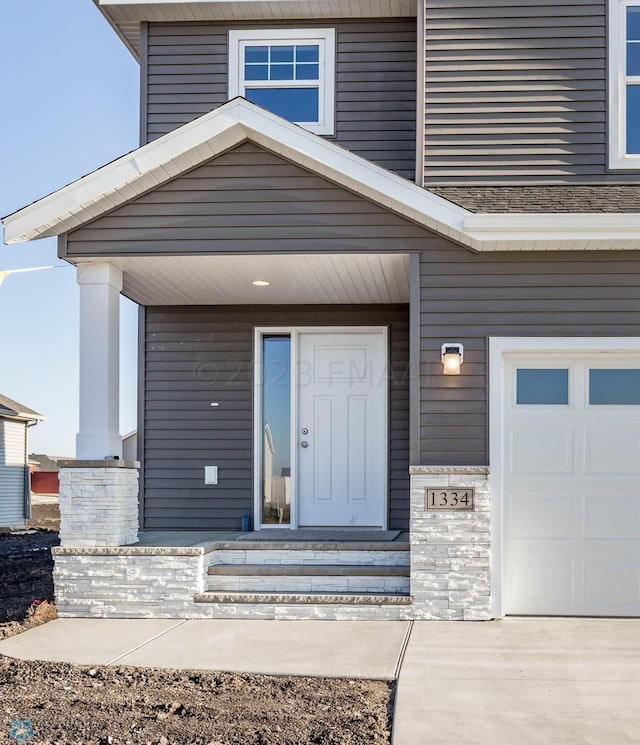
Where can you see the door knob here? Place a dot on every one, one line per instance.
(304, 444)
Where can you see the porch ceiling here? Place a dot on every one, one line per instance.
(227, 280)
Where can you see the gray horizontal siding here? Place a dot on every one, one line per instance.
(183, 433)
(246, 201)
(516, 91)
(186, 76)
(468, 298)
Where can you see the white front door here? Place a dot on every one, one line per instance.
(341, 438)
(572, 485)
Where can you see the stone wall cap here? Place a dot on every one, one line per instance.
(107, 463)
(442, 470)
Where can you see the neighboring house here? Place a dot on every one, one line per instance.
(426, 287)
(15, 491)
(130, 446)
(44, 473)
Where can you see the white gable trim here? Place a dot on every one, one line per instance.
(208, 136)
(239, 120)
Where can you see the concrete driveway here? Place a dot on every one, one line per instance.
(520, 681)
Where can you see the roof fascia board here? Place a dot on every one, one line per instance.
(564, 230)
(209, 136)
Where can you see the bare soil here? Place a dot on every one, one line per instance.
(119, 705)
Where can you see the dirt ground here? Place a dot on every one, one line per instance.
(67, 704)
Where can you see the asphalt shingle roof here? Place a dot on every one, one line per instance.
(13, 408)
(550, 198)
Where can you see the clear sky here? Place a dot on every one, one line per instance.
(69, 104)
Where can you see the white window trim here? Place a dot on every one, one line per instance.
(324, 37)
(617, 119)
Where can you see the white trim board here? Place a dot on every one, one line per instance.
(499, 348)
(238, 121)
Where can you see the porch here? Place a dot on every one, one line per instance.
(221, 574)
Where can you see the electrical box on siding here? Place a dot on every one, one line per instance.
(211, 475)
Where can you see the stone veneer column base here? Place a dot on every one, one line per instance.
(450, 551)
(98, 503)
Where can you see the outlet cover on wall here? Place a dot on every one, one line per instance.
(211, 474)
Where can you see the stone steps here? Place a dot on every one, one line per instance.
(308, 598)
(308, 570)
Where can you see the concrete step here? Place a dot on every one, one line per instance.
(315, 554)
(323, 583)
(308, 570)
(307, 598)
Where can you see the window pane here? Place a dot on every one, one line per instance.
(633, 119)
(256, 72)
(614, 387)
(282, 54)
(294, 104)
(542, 386)
(633, 23)
(633, 58)
(276, 428)
(256, 54)
(307, 72)
(281, 72)
(308, 53)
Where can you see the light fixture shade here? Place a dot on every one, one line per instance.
(452, 355)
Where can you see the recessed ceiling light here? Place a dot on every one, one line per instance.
(260, 283)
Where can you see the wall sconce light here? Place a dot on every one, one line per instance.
(452, 356)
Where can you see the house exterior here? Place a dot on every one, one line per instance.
(15, 477)
(387, 261)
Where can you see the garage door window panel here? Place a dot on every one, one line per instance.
(542, 386)
(614, 387)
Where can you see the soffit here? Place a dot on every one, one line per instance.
(126, 16)
(297, 279)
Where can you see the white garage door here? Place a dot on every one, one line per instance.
(572, 485)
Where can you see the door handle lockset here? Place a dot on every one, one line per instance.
(304, 444)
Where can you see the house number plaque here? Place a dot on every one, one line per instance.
(449, 499)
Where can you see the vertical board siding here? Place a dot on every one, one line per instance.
(468, 298)
(375, 82)
(516, 91)
(196, 355)
(12, 472)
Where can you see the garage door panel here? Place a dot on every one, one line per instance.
(571, 489)
(541, 450)
(610, 517)
(612, 451)
(533, 583)
(611, 584)
(541, 516)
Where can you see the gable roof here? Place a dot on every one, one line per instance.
(11, 408)
(237, 121)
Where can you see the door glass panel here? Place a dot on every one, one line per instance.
(276, 429)
(621, 387)
(542, 386)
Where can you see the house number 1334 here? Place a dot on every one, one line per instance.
(449, 499)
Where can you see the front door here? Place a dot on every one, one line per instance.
(341, 437)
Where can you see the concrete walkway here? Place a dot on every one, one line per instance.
(533, 681)
(334, 649)
(512, 682)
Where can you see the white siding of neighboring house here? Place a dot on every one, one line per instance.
(12, 473)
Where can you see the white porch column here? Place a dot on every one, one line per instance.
(99, 437)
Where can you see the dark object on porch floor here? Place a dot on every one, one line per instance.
(319, 535)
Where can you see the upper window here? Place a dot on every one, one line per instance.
(624, 83)
(290, 72)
